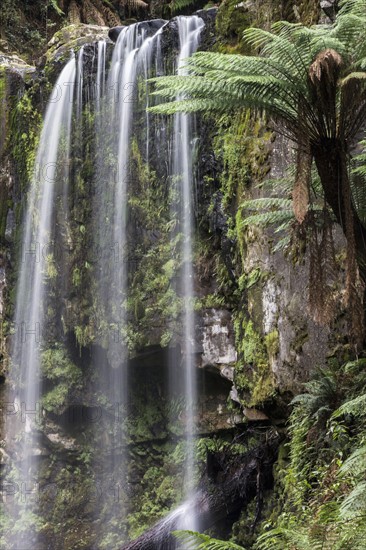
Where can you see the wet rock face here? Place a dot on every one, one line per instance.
(71, 38)
(218, 346)
(150, 27)
(114, 32)
(330, 8)
(279, 303)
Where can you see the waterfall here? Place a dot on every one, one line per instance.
(36, 262)
(119, 107)
(133, 59)
(189, 29)
(100, 83)
(137, 56)
(80, 82)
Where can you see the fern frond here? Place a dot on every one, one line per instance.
(178, 5)
(199, 541)
(355, 407)
(280, 538)
(354, 504)
(267, 218)
(282, 244)
(267, 202)
(56, 7)
(356, 463)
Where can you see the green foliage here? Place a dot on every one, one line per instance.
(153, 301)
(217, 444)
(55, 6)
(64, 375)
(179, 5)
(323, 486)
(231, 21)
(25, 133)
(304, 78)
(198, 541)
(85, 335)
(26, 25)
(253, 374)
(355, 407)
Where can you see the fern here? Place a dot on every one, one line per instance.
(282, 538)
(355, 407)
(266, 203)
(179, 5)
(356, 463)
(55, 6)
(313, 83)
(354, 505)
(199, 541)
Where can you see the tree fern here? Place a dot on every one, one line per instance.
(312, 81)
(280, 214)
(199, 541)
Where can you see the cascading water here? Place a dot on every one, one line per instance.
(134, 55)
(30, 316)
(80, 82)
(189, 29)
(100, 83)
(120, 120)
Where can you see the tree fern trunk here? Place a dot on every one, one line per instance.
(332, 163)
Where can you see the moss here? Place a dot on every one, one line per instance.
(309, 11)
(153, 306)
(231, 21)
(4, 111)
(85, 335)
(301, 337)
(253, 376)
(242, 144)
(26, 123)
(252, 346)
(272, 343)
(63, 375)
(263, 387)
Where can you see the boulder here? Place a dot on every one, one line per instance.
(330, 8)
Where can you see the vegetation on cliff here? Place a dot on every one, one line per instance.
(309, 84)
(304, 78)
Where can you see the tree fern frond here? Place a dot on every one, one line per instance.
(199, 541)
(282, 244)
(354, 504)
(267, 218)
(356, 463)
(285, 225)
(267, 202)
(355, 407)
(357, 7)
(353, 76)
